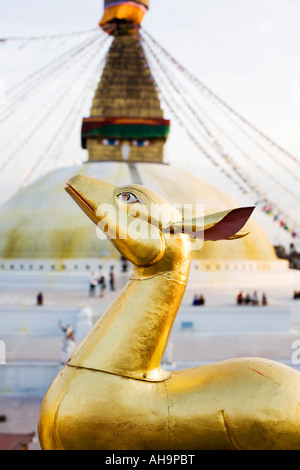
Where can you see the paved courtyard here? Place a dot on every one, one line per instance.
(22, 412)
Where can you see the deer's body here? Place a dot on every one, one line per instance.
(113, 394)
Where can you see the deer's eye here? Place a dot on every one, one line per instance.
(129, 198)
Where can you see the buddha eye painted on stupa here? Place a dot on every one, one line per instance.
(118, 142)
(125, 139)
(141, 143)
(110, 142)
(124, 149)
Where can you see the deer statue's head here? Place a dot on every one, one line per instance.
(141, 224)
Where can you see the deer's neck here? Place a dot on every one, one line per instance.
(130, 338)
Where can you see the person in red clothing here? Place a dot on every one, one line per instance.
(240, 298)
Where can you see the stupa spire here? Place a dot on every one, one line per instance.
(126, 120)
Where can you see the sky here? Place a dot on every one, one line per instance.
(246, 51)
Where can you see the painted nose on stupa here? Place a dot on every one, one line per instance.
(125, 150)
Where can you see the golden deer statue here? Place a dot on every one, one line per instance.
(113, 394)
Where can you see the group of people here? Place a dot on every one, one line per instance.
(251, 300)
(297, 294)
(100, 281)
(199, 300)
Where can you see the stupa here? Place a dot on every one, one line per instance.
(42, 229)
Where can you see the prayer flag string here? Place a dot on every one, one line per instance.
(266, 204)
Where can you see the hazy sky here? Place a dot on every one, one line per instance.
(247, 51)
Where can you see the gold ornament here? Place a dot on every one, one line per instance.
(113, 394)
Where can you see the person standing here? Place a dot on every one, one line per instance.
(68, 342)
(112, 278)
(102, 284)
(264, 299)
(40, 299)
(93, 282)
(240, 298)
(255, 300)
(124, 264)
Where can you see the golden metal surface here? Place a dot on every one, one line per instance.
(113, 393)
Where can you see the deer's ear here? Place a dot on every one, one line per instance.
(224, 225)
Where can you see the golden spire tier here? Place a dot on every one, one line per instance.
(121, 13)
(126, 121)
